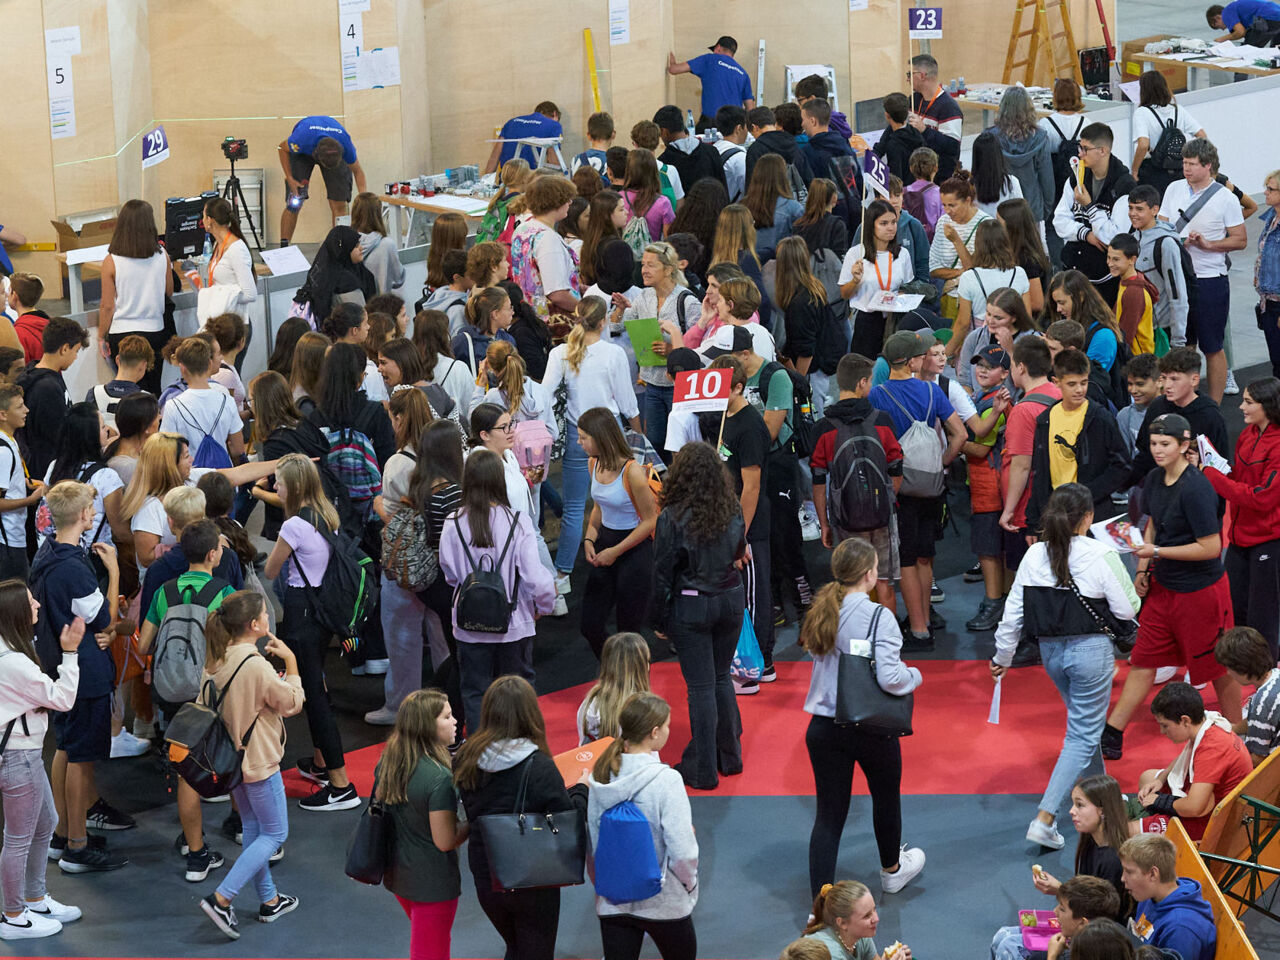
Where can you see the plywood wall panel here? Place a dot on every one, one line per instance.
(638, 79)
(415, 99)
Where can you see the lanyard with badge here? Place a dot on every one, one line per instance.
(884, 300)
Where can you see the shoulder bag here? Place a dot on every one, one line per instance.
(369, 852)
(531, 850)
(860, 701)
(1122, 633)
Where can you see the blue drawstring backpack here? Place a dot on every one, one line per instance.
(748, 661)
(627, 867)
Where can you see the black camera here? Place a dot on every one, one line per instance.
(234, 149)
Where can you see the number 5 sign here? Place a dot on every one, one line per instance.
(702, 390)
(155, 147)
(924, 23)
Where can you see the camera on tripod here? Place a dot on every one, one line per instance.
(234, 149)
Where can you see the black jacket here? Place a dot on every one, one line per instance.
(896, 147)
(533, 345)
(829, 233)
(1205, 419)
(703, 162)
(819, 151)
(45, 393)
(1102, 462)
(371, 420)
(785, 146)
(681, 563)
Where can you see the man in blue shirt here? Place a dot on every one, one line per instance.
(325, 141)
(543, 122)
(1256, 22)
(724, 82)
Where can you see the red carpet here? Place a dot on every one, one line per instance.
(954, 749)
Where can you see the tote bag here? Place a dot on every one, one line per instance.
(369, 851)
(861, 703)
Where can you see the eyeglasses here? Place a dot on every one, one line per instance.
(1085, 149)
(508, 427)
(1270, 189)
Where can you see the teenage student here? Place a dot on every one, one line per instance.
(1135, 306)
(1079, 902)
(1180, 378)
(19, 492)
(45, 390)
(844, 920)
(1172, 913)
(624, 670)
(1248, 658)
(1160, 260)
(203, 412)
(1102, 826)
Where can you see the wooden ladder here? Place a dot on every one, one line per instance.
(1040, 34)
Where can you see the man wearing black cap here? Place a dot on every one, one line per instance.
(724, 82)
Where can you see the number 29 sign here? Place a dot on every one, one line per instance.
(924, 23)
(155, 147)
(697, 391)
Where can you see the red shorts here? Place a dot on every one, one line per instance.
(1181, 629)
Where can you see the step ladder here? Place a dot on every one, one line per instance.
(1040, 34)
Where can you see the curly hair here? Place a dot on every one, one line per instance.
(698, 485)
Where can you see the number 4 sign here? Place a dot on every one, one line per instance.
(924, 23)
(697, 391)
(155, 147)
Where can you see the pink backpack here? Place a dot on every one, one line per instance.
(531, 444)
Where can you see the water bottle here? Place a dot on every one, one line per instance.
(208, 247)
(963, 88)
(690, 124)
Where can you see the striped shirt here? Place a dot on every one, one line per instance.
(1263, 716)
(440, 507)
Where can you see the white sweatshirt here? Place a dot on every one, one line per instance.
(24, 688)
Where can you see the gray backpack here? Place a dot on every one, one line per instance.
(177, 665)
(922, 448)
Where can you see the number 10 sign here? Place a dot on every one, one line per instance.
(702, 390)
(924, 23)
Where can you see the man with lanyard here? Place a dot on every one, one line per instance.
(325, 141)
(1093, 208)
(1205, 213)
(935, 114)
(724, 82)
(1256, 22)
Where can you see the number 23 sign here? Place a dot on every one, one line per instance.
(924, 23)
(697, 391)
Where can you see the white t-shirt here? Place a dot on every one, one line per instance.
(891, 276)
(1146, 124)
(961, 402)
(228, 377)
(682, 428)
(762, 344)
(1221, 212)
(105, 481)
(1069, 123)
(735, 168)
(603, 380)
(14, 478)
(197, 412)
(375, 388)
(152, 519)
(617, 332)
(974, 285)
(1012, 191)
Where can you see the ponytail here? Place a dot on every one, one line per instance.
(509, 368)
(640, 714)
(589, 314)
(229, 622)
(850, 562)
(480, 308)
(1068, 505)
(834, 900)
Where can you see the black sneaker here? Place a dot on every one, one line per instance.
(936, 620)
(232, 828)
(973, 574)
(988, 615)
(1112, 742)
(329, 797)
(779, 616)
(103, 816)
(913, 644)
(57, 845)
(936, 593)
(89, 859)
(768, 674)
(270, 912)
(310, 771)
(200, 862)
(224, 918)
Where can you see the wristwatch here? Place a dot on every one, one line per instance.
(1155, 555)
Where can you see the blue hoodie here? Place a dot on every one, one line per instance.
(65, 585)
(1182, 921)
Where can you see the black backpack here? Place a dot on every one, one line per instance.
(1112, 381)
(1068, 148)
(201, 747)
(859, 491)
(481, 603)
(1188, 272)
(348, 592)
(1167, 152)
(803, 428)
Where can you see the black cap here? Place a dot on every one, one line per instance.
(728, 43)
(682, 359)
(730, 339)
(992, 355)
(1170, 425)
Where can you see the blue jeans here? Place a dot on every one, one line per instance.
(1081, 668)
(657, 408)
(266, 826)
(577, 482)
(1007, 945)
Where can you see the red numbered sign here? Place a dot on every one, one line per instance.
(701, 390)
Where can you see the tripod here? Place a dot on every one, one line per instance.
(235, 193)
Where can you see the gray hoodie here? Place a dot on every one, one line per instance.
(505, 754)
(1169, 281)
(382, 260)
(1031, 161)
(453, 303)
(665, 804)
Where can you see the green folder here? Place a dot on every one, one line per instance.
(644, 331)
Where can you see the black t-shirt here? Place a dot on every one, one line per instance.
(1104, 863)
(1182, 514)
(746, 443)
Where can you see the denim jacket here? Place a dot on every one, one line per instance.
(1266, 270)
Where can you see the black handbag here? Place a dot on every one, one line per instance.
(1122, 633)
(531, 850)
(369, 852)
(860, 701)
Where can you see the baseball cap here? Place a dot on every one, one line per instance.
(992, 355)
(729, 339)
(904, 345)
(727, 42)
(1170, 425)
(682, 359)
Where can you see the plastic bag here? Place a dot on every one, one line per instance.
(748, 661)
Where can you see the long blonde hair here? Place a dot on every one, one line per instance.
(835, 900)
(849, 564)
(302, 489)
(515, 173)
(794, 275)
(640, 714)
(735, 232)
(507, 365)
(589, 317)
(624, 671)
(158, 471)
(413, 738)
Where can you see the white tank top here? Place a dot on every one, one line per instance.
(139, 294)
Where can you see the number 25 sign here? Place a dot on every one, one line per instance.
(702, 390)
(924, 23)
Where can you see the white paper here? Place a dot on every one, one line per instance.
(993, 716)
(1130, 90)
(347, 7)
(858, 5)
(379, 67)
(619, 22)
(284, 260)
(350, 81)
(1210, 457)
(62, 98)
(467, 206)
(87, 254)
(880, 301)
(352, 32)
(1118, 533)
(62, 42)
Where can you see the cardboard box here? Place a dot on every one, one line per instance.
(92, 233)
(1174, 74)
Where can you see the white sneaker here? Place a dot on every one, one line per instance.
(27, 926)
(221, 798)
(382, 717)
(745, 688)
(810, 529)
(910, 863)
(1232, 388)
(51, 908)
(146, 729)
(562, 584)
(376, 668)
(1165, 674)
(561, 607)
(1045, 834)
(125, 744)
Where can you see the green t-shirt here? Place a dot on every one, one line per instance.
(189, 584)
(418, 869)
(864, 949)
(777, 397)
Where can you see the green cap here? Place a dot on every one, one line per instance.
(902, 346)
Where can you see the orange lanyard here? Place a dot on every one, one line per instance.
(229, 239)
(925, 111)
(884, 284)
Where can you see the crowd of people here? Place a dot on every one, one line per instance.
(1047, 381)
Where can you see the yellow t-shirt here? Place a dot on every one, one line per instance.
(1062, 461)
